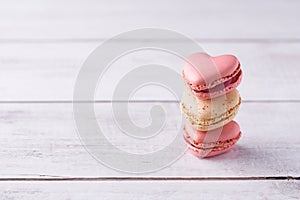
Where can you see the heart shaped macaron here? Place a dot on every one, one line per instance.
(210, 114)
(206, 144)
(210, 77)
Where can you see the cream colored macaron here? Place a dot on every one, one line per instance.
(210, 114)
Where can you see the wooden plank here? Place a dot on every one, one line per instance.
(67, 19)
(40, 140)
(151, 190)
(27, 77)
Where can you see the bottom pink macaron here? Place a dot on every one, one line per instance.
(211, 143)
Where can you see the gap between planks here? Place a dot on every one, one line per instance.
(133, 101)
(156, 179)
(204, 40)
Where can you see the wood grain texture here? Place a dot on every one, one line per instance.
(42, 47)
(39, 20)
(37, 71)
(40, 140)
(151, 190)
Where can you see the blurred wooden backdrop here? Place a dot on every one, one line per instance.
(42, 47)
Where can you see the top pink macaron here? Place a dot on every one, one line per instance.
(210, 77)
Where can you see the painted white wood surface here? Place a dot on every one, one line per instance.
(39, 140)
(44, 43)
(55, 19)
(151, 190)
(37, 71)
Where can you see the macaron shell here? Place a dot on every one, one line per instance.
(226, 64)
(204, 154)
(218, 124)
(202, 69)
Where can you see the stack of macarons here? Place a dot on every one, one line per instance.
(210, 102)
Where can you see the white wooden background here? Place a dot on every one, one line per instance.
(42, 46)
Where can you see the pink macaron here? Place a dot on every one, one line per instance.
(210, 77)
(211, 143)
